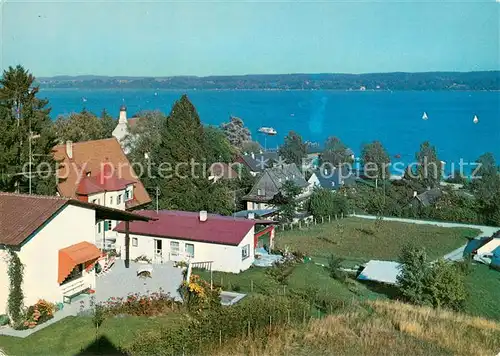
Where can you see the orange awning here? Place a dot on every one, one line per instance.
(72, 256)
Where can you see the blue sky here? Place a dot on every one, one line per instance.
(241, 37)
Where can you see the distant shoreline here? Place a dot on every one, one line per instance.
(273, 90)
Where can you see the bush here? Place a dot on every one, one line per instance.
(38, 313)
(4, 319)
(334, 264)
(154, 304)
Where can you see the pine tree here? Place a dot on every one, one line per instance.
(23, 115)
(430, 168)
(294, 150)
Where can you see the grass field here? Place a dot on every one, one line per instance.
(360, 239)
(304, 278)
(77, 335)
(484, 292)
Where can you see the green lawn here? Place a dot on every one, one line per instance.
(484, 292)
(360, 240)
(73, 335)
(304, 277)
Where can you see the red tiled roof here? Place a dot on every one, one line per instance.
(89, 157)
(22, 215)
(104, 181)
(186, 225)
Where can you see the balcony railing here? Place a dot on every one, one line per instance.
(73, 287)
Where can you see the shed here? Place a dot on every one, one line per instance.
(380, 271)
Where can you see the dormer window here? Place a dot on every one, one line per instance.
(260, 192)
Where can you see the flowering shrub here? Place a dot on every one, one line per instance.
(39, 313)
(198, 294)
(154, 304)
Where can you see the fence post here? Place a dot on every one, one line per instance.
(335, 216)
(251, 286)
(220, 337)
(288, 316)
(304, 318)
(329, 218)
(300, 225)
(249, 328)
(322, 219)
(342, 214)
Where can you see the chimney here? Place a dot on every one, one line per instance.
(123, 115)
(203, 215)
(251, 216)
(253, 155)
(415, 193)
(69, 149)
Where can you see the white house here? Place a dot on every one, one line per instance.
(226, 243)
(99, 172)
(54, 239)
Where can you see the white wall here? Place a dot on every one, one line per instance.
(225, 258)
(258, 206)
(40, 255)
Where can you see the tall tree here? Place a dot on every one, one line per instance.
(78, 127)
(108, 124)
(236, 132)
(286, 200)
(376, 161)
(412, 277)
(294, 150)
(429, 168)
(335, 152)
(25, 122)
(218, 148)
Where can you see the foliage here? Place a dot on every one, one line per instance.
(445, 286)
(84, 126)
(414, 272)
(16, 296)
(23, 114)
(280, 272)
(4, 319)
(38, 313)
(199, 295)
(440, 284)
(375, 160)
(429, 170)
(236, 132)
(457, 177)
(334, 265)
(251, 146)
(218, 147)
(286, 201)
(154, 304)
(325, 202)
(293, 150)
(335, 152)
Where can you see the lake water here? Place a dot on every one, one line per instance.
(394, 118)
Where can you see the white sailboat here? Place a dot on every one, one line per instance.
(475, 120)
(424, 116)
(268, 131)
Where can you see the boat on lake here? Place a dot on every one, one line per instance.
(424, 116)
(268, 131)
(475, 120)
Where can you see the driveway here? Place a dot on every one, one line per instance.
(455, 255)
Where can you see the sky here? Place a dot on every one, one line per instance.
(166, 38)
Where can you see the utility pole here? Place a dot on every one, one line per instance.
(157, 194)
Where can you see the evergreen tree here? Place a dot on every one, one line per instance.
(236, 132)
(335, 152)
(294, 150)
(286, 201)
(108, 124)
(217, 146)
(429, 168)
(24, 115)
(376, 161)
(412, 277)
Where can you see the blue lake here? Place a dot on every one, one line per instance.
(394, 118)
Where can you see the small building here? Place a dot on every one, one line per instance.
(98, 172)
(427, 198)
(258, 162)
(334, 179)
(221, 170)
(54, 239)
(485, 250)
(122, 129)
(225, 243)
(380, 271)
(270, 183)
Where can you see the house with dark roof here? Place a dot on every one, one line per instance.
(99, 172)
(224, 243)
(270, 182)
(427, 198)
(333, 179)
(55, 240)
(258, 162)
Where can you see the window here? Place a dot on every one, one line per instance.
(189, 248)
(119, 199)
(245, 252)
(135, 242)
(94, 201)
(76, 273)
(174, 248)
(111, 200)
(107, 225)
